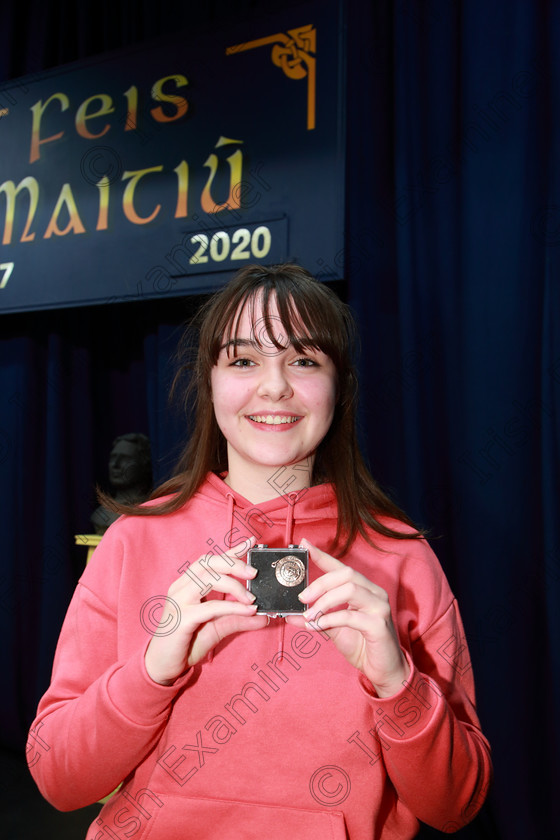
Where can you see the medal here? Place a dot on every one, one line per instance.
(289, 570)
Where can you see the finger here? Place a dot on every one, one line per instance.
(226, 562)
(241, 548)
(232, 561)
(321, 559)
(228, 624)
(230, 586)
(188, 593)
(198, 632)
(354, 619)
(169, 652)
(198, 614)
(296, 620)
(328, 581)
(213, 632)
(336, 572)
(220, 572)
(331, 580)
(238, 552)
(357, 597)
(211, 572)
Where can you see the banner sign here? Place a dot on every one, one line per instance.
(162, 169)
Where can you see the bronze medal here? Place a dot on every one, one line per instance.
(289, 570)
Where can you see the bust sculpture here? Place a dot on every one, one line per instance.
(130, 476)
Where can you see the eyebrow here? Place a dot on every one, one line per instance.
(239, 342)
(250, 342)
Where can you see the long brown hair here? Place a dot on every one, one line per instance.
(311, 315)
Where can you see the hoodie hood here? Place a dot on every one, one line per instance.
(272, 523)
(277, 734)
(304, 506)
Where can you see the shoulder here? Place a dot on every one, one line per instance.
(408, 569)
(410, 552)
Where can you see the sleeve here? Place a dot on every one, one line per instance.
(434, 751)
(100, 716)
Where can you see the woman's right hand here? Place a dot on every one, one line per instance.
(201, 624)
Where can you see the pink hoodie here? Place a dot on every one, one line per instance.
(274, 734)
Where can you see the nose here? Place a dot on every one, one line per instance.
(274, 382)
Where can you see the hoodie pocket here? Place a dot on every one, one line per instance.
(182, 818)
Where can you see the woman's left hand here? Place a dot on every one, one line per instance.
(360, 624)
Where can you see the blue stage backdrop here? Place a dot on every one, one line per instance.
(159, 169)
(451, 262)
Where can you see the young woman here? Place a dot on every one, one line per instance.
(353, 720)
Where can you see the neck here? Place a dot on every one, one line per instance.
(262, 483)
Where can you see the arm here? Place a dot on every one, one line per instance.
(100, 716)
(422, 699)
(431, 741)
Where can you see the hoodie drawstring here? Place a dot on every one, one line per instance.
(288, 540)
(230, 506)
(289, 529)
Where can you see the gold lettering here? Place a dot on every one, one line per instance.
(65, 199)
(235, 162)
(128, 197)
(82, 115)
(37, 111)
(183, 189)
(132, 98)
(178, 102)
(10, 191)
(103, 187)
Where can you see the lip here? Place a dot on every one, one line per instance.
(277, 425)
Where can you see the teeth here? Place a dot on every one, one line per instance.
(272, 419)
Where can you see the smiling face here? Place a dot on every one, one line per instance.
(273, 404)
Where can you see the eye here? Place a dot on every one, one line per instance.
(242, 363)
(305, 361)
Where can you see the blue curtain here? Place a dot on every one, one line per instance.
(451, 263)
(453, 220)
(71, 382)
